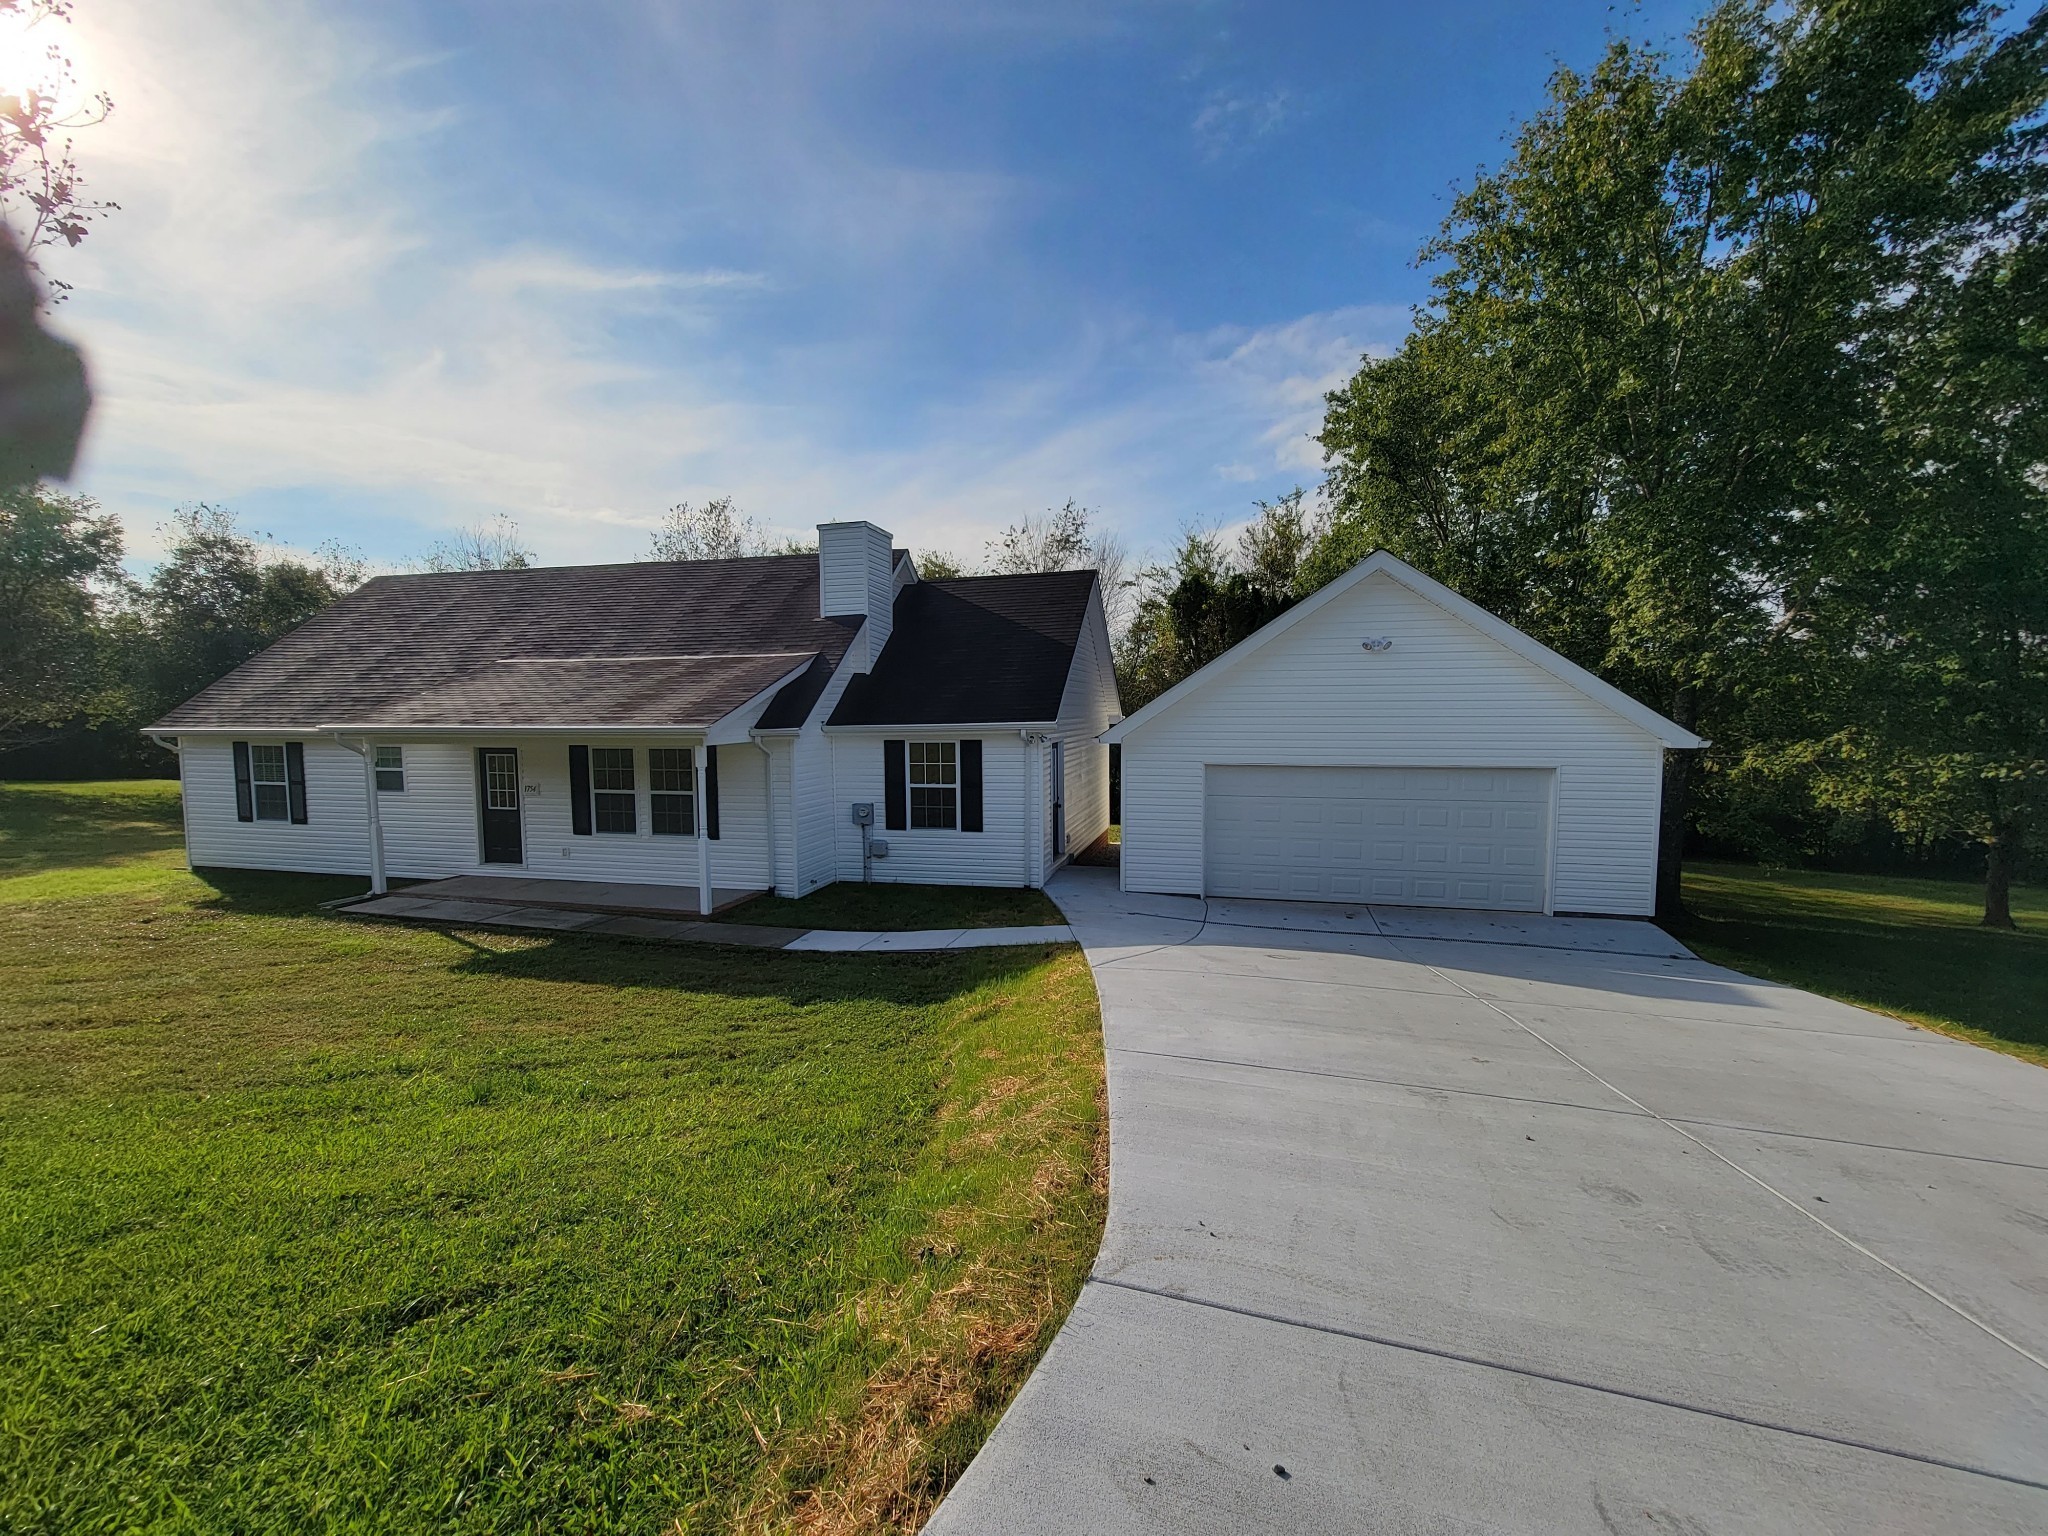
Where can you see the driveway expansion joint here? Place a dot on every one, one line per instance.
(1557, 1378)
(1762, 1183)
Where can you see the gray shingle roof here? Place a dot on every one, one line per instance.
(642, 691)
(976, 650)
(419, 643)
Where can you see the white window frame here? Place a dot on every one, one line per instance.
(941, 778)
(390, 763)
(258, 783)
(656, 795)
(600, 794)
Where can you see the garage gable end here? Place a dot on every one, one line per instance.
(1353, 592)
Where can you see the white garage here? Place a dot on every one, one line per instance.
(1387, 741)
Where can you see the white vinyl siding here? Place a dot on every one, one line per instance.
(933, 855)
(821, 810)
(1443, 695)
(1087, 709)
(329, 842)
(432, 829)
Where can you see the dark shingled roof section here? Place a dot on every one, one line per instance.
(400, 637)
(687, 690)
(979, 650)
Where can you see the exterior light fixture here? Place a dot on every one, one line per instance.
(1377, 643)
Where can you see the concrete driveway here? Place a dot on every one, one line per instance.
(1436, 1222)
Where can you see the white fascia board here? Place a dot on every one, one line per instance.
(1379, 562)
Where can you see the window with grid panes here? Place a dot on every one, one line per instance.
(611, 789)
(267, 779)
(672, 791)
(934, 783)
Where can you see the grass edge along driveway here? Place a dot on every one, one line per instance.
(316, 1225)
(1909, 947)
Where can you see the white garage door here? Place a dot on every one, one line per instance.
(1426, 837)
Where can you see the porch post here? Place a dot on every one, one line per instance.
(768, 811)
(703, 841)
(375, 819)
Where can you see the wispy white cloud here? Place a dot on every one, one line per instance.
(292, 314)
(553, 269)
(1231, 121)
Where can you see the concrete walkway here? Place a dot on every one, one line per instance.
(1431, 1222)
(550, 918)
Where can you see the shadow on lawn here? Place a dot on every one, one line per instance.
(597, 960)
(265, 893)
(801, 979)
(1982, 979)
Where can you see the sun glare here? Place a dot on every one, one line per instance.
(33, 50)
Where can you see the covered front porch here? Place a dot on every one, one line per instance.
(626, 898)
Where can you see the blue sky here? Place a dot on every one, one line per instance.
(385, 269)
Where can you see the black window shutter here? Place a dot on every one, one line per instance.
(711, 792)
(970, 785)
(295, 780)
(245, 790)
(579, 791)
(895, 787)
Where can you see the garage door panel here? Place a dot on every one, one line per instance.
(1438, 836)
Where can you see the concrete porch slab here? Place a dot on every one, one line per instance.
(610, 896)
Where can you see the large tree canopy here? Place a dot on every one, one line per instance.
(60, 582)
(1677, 338)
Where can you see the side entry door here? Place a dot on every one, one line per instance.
(1059, 799)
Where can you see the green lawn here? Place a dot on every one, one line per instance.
(309, 1224)
(1908, 947)
(898, 908)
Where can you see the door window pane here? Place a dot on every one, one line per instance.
(501, 781)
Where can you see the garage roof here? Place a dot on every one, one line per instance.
(1381, 563)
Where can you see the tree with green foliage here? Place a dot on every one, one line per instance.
(487, 546)
(1210, 598)
(216, 600)
(938, 565)
(1654, 358)
(42, 193)
(61, 584)
(1918, 606)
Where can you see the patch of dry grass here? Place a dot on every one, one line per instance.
(988, 1285)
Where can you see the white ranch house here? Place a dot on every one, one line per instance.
(706, 724)
(727, 726)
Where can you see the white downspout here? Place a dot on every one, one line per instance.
(1034, 792)
(703, 832)
(170, 745)
(374, 817)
